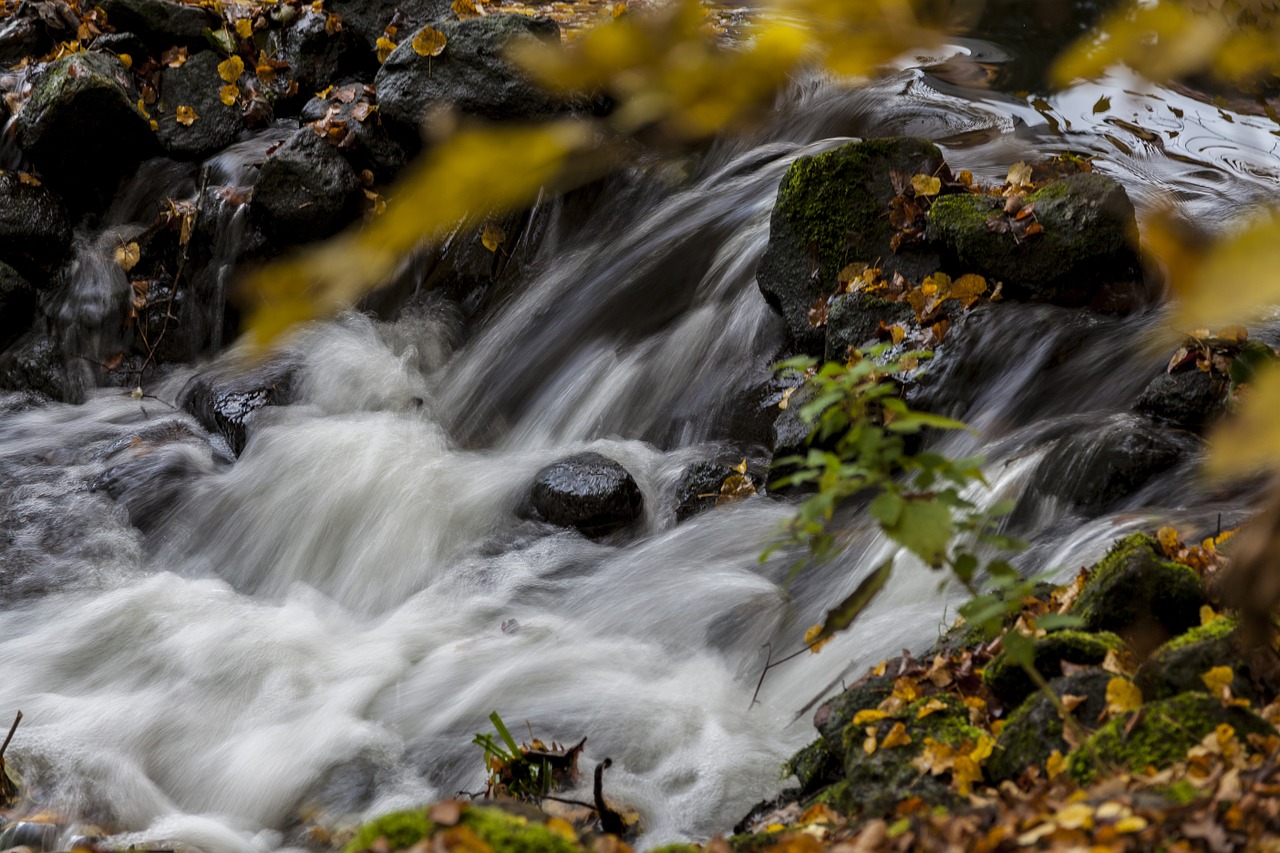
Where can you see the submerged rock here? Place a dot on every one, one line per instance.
(832, 210)
(195, 84)
(1084, 256)
(472, 75)
(81, 126)
(855, 318)
(227, 402)
(306, 190)
(589, 492)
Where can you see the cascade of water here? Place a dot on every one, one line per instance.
(203, 647)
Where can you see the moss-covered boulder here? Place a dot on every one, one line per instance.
(81, 125)
(1177, 666)
(874, 782)
(1034, 730)
(832, 209)
(1166, 729)
(1137, 593)
(195, 84)
(837, 712)
(1012, 685)
(505, 830)
(853, 318)
(1084, 256)
(815, 767)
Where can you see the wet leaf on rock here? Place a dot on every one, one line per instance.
(127, 256)
(493, 236)
(429, 42)
(185, 116)
(231, 69)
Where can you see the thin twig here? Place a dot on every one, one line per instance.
(13, 728)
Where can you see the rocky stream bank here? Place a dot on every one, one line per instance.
(1151, 724)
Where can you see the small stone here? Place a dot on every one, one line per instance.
(589, 492)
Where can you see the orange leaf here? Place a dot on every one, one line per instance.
(231, 69)
(185, 116)
(897, 736)
(429, 42)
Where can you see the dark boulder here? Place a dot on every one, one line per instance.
(855, 318)
(317, 54)
(35, 230)
(368, 19)
(1177, 666)
(161, 23)
(26, 33)
(1085, 255)
(306, 190)
(1093, 469)
(1034, 731)
(472, 75)
(1189, 399)
(195, 84)
(35, 363)
(227, 401)
(81, 126)
(1136, 592)
(1010, 682)
(589, 492)
(349, 117)
(833, 210)
(835, 714)
(700, 484)
(17, 305)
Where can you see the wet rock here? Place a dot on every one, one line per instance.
(1093, 469)
(349, 117)
(1189, 399)
(1085, 255)
(473, 74)
(368, 19)
(815, 767)
(1176, 666)
(34, 363)
(25, 33)
(1135, 591)
(34, 836)
(1034, 730)
(1010, 682)
(589, 492)
(81, 126)
(306, 190)
(227, 401)
(1162, 734)
(161, 23)
(35, 230)
(835, 714)
(17, 305)
(832, 210)
(854, 318)
(317, 55)
(119, 43)
(698, 488)
(195, 84)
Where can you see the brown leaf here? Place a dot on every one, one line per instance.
(818, 312)
(446, 812)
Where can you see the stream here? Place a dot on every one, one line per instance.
(213, 651)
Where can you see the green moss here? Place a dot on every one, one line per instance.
(1218, 629)
(401, 829)
(505, 833)
(1133, 588)
(676, 848)
(962, 214)
(1162, 736)
(751, 842)
(1182, 792)
(1012, 684)
(814, 766)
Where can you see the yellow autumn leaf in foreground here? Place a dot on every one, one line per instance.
(231, 69)
(429, 42)
(1123, 696)
(811, 639)
(384, 47)
(926, 185)
(1250, 441)
(475, 171)
(185, 116)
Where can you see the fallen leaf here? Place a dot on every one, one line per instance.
(429, 41)
(867, 715)
(815, 645)
(445, 812)
(244, 28)
(185, 116)
(231, 69)
(465, 9)
(127, 256)
(1055, 765)
(28, 179)
(923, 185)
(1019, 175)
(384, 47)
(1102, 105)
(930, 707)
(493, 236)
(228, 94)
(1123, 696)
(1218, 680)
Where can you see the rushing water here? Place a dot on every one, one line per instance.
(209, 650)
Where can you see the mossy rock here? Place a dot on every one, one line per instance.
(831, 211)
(1137, 593)
(874, 783)
(853, 318)
(1034, 730)
(503, 830)
(676, 848)
(815, 767)
(751, 842)
(1161, 737)
(1176, 666)
(837, 712)
(1012, 685)
(1085, 255)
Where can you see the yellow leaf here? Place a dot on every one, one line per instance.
(429, 42)
(28, 179)
(244, 28)
(1250, 441)
(185, 116)
(384, 47)
(1019, 175)
(127, 256)
(480, 169)
(926, 185)
(1161, 41)
(935, 758)
(1055, 765)
(1207, 614)
(930, 707)
(1169, 542)
(563, 828)
(869, 744)
(228, 94)
(819, 813)
(1130, 824)
(1218, 679)
(125, 59)
(983, 749)
(906, 689)
(965, 772)
(867, 715)
(1075, 816)
(809, 639)
(897, 333)
(231, 69)
(465, 9)
(493, 237)
(1123, 696)
(897, 736)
